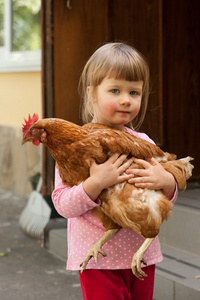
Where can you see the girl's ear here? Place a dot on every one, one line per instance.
(90, 93)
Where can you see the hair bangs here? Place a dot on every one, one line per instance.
(124, 71)
(119, 66)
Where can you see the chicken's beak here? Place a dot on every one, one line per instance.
(24, 140)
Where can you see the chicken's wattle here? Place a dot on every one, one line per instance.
(36, 142)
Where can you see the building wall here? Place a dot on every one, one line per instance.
(20, 94)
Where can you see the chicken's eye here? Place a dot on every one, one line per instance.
(34, 131)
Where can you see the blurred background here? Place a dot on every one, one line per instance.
(43, 48)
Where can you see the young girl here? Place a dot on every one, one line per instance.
(115, 89)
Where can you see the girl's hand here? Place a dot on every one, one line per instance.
(107, 174)
(112, 171)
(152, 176)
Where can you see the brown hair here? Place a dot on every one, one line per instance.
(120, 61)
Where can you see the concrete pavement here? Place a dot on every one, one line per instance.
(30, 272)
(27, 270)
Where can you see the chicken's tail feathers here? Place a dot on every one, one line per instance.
(181, 169)
(188, 166)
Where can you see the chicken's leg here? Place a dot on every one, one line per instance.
(96, 248)
(138, 259)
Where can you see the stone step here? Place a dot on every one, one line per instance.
(182, 229)
(176, 277)
(58, 242)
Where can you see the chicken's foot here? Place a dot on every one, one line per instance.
(96, 249)
(138, 259)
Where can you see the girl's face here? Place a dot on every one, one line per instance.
(116, 102)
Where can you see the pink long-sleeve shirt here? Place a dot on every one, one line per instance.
(84, 229)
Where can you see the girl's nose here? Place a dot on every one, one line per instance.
(125, 100)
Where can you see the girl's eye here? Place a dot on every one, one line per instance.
(133, 93)
(115, 91)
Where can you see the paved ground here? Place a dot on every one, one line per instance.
(28, 271)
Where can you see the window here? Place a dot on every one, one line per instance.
(20, 35)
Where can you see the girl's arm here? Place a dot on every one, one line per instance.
(73, 201)
(77, 200)
(104, 175)
(153, 176)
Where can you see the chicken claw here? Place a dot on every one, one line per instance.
(96, 248)
(138, 259)
(136, 266)
(93, 252)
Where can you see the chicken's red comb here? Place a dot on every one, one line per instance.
(29, 123)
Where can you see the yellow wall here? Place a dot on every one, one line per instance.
(20, 94)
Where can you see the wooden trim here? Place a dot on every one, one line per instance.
(47, 88)
(160, 77)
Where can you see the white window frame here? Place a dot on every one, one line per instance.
(16, 61)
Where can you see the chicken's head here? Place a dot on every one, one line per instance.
(30, 131)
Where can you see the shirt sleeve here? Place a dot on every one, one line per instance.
(175, 195)
(73, 201)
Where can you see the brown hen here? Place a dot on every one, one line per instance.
(122, 205)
